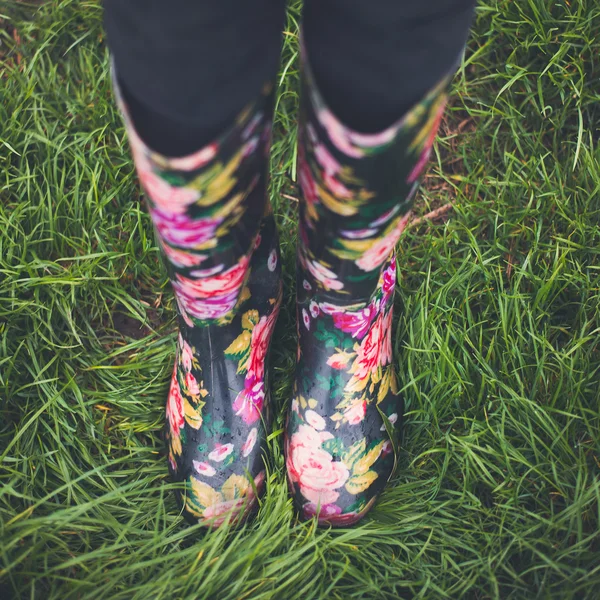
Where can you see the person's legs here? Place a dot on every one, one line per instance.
(187, 68)
(374, 88)
(372, 61)
(194, 81)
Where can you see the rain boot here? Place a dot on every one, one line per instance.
(217, 234)
(357, 190)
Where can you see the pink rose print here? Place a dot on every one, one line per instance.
(357, 323)
(249, 402)
(272, 260)
(165, 197)
(228, 281)
(326, 160)
(183, 312)
(376, 348)
(389, 281)
(305, 319)
(181, 258)
(221, 452)
(203, 273)
(195, 161)
(314, 309)
(175, 414)
(313, 468)
(203, 468)
(315, 420)
(323, 275)
(213, 308)
(185, 353)
(184, 232)
(192, 385)
(306, 285)
(331, 513)
(382, 248)
(211, 297)
(356, 413)
(259, 344)
(250, 442)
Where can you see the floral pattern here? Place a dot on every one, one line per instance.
(357, 191)
(234, 500)
(216, 418)
(218, 238)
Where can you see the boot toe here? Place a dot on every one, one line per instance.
(229, 501)
(336, 480)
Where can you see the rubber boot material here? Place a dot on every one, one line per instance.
(357, 191)
(219, 241)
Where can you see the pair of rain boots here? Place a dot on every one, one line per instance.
(217, 233)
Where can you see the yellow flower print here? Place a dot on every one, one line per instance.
(236, 498)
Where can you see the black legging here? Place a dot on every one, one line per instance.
(187, 67)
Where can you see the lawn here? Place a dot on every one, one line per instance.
(497, 344)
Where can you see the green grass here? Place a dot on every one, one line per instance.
(497, 347)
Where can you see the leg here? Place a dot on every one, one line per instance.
(198, 119)
(373, 61)
(363, 145)
(188, 68)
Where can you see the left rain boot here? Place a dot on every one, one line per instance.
(218, 238)
(356, 194)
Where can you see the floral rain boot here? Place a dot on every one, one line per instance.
(357, 191)
(219, 241)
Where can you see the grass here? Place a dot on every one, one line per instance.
(497, 344)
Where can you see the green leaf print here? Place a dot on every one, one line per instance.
(173, 179)
(355, 507)
(322, 381)
(334, 446)
(362, 277)
(324, 335)
(229, 460)
(354, 453)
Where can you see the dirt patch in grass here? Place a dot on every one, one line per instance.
(10, 38)
(437, 197)
(130, 327)
(455, 128)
